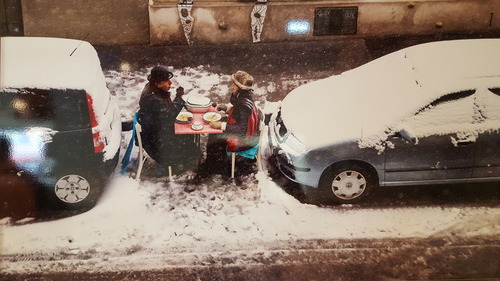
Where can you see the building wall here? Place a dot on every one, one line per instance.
(107, 22)
(229, 22)
(157, 22)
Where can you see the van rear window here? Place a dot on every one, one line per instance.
(57, 109)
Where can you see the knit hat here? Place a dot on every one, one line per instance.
(159, 74)
(242, 79)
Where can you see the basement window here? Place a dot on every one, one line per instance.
(335, 21)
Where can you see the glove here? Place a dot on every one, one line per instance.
(222, 107)
(179, 91)
(216, 124)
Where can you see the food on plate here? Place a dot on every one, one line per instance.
(211, 116)
(184, 117)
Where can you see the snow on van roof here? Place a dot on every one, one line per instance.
(40, 62)
(57, 63)
(365, 101)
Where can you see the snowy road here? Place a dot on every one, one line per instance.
(156, 225)
(136, 223)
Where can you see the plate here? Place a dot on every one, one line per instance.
(183, 117)
(211, 116)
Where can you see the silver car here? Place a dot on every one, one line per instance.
(427, 114)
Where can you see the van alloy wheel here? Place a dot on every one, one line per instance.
(72, 189)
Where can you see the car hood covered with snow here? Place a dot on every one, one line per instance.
(365, 102)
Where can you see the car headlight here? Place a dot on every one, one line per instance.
(287, 141)
(291, 153)
(292, 146)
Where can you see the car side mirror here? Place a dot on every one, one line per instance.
(407, 136)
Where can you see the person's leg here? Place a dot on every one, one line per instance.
(217, 161)
(245, 166)
(184, 154)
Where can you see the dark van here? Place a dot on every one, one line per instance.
(60, 129)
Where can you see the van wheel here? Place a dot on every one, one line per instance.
(74, 191)
(347, 183)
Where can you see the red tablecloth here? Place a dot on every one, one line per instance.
(183, 129)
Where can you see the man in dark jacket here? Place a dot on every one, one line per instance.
(157, 115)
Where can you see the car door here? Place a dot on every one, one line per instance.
(487, 160)
(436, 144)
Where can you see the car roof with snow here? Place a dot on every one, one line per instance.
(44, 63)
(367, 100)
(41, 62)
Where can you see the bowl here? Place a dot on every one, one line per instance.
(211, 116)
(198, 101)
(197, 109)
(198, 104)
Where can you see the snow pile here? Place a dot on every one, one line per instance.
(158, 214)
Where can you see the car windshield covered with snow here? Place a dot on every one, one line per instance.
(59, 125)
(425, 114)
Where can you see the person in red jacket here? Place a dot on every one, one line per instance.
(241, 130)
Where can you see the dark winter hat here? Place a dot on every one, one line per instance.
(242, 79)
(159, 74)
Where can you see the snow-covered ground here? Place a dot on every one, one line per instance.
(143, 219)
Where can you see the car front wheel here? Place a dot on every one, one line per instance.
(346, 183)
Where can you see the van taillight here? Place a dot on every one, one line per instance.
(98, 143)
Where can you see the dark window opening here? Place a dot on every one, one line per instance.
(11, 18)
(336, 21)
